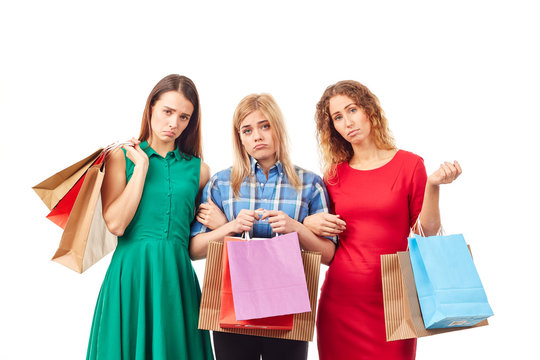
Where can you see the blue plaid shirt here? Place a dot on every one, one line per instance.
(274, 193)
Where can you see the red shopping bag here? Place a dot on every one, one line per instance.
(60, 214)
(227, 315)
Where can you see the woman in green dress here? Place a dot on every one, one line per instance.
(148, 306)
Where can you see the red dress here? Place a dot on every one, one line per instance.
(379, 207)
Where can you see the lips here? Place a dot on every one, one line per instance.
(259, 146)
(352, 132)
(168, 133)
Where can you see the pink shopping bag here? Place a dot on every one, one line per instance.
(267, 277)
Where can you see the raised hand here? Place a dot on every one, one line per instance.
(447, 173)
(136, 154)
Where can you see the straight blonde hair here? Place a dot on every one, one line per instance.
(241, 162)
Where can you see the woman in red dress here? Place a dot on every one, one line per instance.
(378, 192)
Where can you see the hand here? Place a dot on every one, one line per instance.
(280, 222)
(210, 215)
(325, 224)
(447, 173)
(136, 154)
(244, 221)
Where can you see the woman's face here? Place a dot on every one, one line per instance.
(170, 116)
(257, 138)
(349, 119)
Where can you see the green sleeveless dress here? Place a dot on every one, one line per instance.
(148, 306)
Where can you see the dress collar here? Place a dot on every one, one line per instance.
(151, 152)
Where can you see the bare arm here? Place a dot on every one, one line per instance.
(120, 200)
(430, 217)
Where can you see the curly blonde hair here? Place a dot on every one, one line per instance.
(334, 149)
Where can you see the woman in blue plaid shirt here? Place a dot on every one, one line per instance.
(262, 193)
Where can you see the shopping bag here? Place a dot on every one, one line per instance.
(60, 214)
(267, 277)
(227, 316)
(303, 324)
(402, 316)
(449, 289)
(53, 189)
(86, 239)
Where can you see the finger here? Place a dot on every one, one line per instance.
(245, 228)
(458, 167)
(330, 231)
(204, 212)
(205, 206)
(269, 213)
(201, 220)
(334, 219)
(339, 222)
(251, 217)
(247, 221)
(452, 171)
(245, 213)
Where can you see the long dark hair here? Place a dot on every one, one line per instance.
(189, 142)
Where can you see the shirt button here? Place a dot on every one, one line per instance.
(169, 194)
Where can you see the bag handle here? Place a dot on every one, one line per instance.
(418, 225)
(245, 235)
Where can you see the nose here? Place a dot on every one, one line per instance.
(348, 121)
(257, 135)
(173, 122)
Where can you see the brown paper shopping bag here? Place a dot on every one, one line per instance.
(303, 324)
(402, 316)
(53, 189)
(86, 239)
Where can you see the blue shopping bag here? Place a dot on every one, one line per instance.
(449, 289)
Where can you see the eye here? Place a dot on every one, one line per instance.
(337, 118)
(265, 126)
(168, 112)
(184, 117)
(246, 131)
(353, 110)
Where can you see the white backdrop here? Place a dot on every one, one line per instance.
(458, 80)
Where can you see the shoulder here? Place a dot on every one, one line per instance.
(116, 158)
(410, 159)
(307, 176)
(221, 178)
(331, 177)
(224, 174)
(205, 172)
(409, 156)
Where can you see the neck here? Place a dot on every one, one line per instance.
(364, 151)
(266, 164)
(162, 148)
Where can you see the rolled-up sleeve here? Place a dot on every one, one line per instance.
(210, 191)
(320, 201)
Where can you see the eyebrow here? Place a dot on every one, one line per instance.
(173, 109)
(351, 104)
(258, 122)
